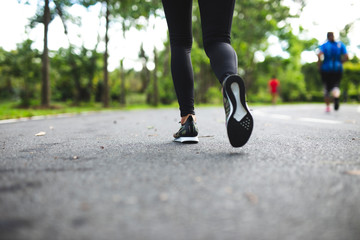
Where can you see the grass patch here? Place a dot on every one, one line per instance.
(11, 109)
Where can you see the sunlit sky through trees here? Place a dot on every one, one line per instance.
(317, 18)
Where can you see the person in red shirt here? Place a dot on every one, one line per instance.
(274, 85)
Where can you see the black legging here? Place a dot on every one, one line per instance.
(216, 20)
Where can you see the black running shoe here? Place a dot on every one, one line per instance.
(188, 132)
(336, 103)
(239, 122)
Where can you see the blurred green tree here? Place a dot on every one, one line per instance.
(46, 12)
(126, 13)
(7, 88)
(24, 66)
(350, 83)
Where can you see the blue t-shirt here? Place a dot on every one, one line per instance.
(332, 56)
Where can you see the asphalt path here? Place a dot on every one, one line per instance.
(118, 175)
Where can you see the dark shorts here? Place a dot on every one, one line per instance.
(330, 80)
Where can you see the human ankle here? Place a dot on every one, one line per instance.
(184, 118)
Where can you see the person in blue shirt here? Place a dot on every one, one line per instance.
(331, 57)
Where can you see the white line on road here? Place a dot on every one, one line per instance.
(9, 121)
(287, 117)
(61, 115)
(317, 120)
(280, 116)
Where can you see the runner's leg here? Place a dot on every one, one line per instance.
(216, 20)
(178, 16)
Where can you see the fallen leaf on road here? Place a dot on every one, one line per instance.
(229, 190)
(206, 136)
(116, 198)
(351, 121)
(198, 179)
(252, 198)
(353, 172)
(84, 206)
(40, 134)
(163, 197)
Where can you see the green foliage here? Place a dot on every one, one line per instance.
(344, 33)
(21, 71)
(213, 95)
(77, 73)
(292, 86)
(166, 88)
(11, 110)
(350, 83)
(74, 72)
(58, 8)
(314, 85)
(167, 92)
(253, 22)
(312, 77)
(7, 69)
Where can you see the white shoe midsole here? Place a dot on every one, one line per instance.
(186, 139)
(240, 111)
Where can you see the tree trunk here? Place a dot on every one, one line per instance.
(155, 86)
(8, 86)
(144, 80)
(122, 99)
(167, 61)
(45, 88)
(249, 79)
(106, 74)
(148, 79)
(91, 77)
(76, 75)
(25, 98)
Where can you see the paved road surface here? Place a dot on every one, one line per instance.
(118, 175)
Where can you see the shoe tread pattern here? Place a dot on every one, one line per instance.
(238, 131)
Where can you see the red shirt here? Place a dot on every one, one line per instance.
(273, 84)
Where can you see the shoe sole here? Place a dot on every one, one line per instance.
(187, 139)
(239, 123)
